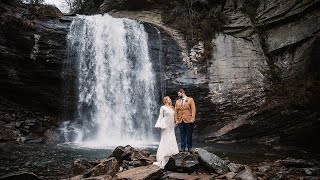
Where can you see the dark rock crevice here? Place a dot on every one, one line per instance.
(287, 16)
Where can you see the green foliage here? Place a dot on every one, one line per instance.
(44, 11)
(197, 19)
(11, 24)
(84, 6)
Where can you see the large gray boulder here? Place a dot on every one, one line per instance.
(183, 162)
(212, 161)
(233, 167)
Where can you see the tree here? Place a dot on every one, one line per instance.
(33, 1)
(84, 6)
(69, 4)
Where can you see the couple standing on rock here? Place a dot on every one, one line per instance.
(183, 116)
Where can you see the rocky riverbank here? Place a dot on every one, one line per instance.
(131, 163)
(128, 163)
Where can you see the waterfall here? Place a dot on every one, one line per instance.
(115, 84)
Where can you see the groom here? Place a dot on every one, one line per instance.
(184, 118)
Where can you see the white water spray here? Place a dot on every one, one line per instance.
(116, 99)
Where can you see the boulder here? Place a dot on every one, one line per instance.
(298, 163)
(141, 173)
(183, 162)
(312, 171)
(212, 161)
(80, 167)
(264, 168)
(105, 167)
(145, 153)
(229, 175)
(122, 153)
(134, 163)
(142, 157)
(21, 140)
(130, 157)
(245, 174)
(234, 167)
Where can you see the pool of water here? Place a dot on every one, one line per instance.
(54, 161)
(47, 161)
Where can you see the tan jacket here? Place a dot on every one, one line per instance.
(187, 113)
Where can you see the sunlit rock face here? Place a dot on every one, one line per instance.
(236, 76)
(278, 45)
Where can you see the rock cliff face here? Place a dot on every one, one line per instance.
(261, 84)
(268, 64)
(32, 53)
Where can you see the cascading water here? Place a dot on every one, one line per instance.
(116, 99)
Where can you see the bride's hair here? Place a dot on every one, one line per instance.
(164, 101)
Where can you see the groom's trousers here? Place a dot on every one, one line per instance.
(186, 130)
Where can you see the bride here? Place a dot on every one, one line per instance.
(168, 143)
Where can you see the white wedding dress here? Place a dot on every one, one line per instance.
(168, 144)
